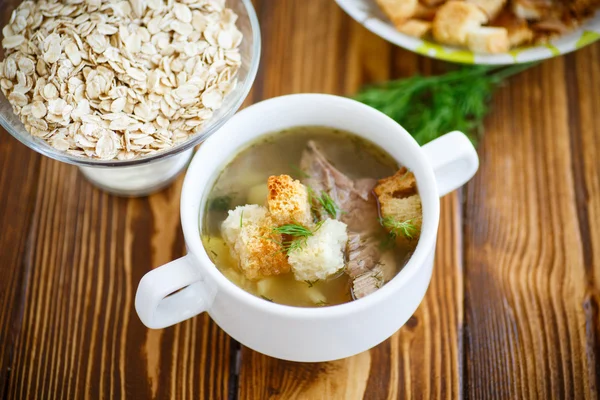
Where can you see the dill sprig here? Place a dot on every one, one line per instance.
(430, 106)
(328, 204)
(293, 230)
(325, 201)
(399, 228)
(298, 171)
(298, 233)
(266, 298)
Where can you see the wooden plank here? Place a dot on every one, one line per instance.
(526, 283)
(334, 54)
(582, 80)
(18, 169)
(79, 336)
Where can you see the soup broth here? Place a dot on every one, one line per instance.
(243, 181)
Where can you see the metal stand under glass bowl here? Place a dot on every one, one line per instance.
(145, 175)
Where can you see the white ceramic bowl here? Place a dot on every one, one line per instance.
(367, 13)
(193, 284)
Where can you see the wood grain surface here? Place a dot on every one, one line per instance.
(513, 306)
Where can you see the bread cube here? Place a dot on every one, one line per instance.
(398, 11)
(400, 201)
(488, 40)
(491, 7)
(323, 253)
(288, 201)
(415, 27)
(454, 20)
(248, 231)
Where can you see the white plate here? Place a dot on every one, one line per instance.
(367, 13)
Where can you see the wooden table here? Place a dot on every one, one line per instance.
(513, 306)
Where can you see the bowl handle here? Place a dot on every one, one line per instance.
(454, 160)
(170, 294)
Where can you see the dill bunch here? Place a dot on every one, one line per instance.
(430, 106)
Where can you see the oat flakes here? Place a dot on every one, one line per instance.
(118, 79)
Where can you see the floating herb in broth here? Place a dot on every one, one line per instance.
(243, 182)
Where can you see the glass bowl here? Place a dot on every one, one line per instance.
(147, 174)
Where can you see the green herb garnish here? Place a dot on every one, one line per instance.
(298, 171)
(242, 218)
(430, 106)
(311, 283)
(328, 204)
(293, 230)
(325, 201)
(214, 254)
(221, 203)
(399, 228)
(266, 298)
(298, 233)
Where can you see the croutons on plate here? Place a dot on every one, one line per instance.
(517, 28)
(399, 11)
(488, 39)
(491, 7)
(415, 27)
(454, 20)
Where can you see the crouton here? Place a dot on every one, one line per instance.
(415, 27)
(582, 8)
(424, 12)
(520, 35)
(248, 232)
(432, 3)
(518, 30)
(551, 26)
(454, 20)
(491, 7)
(400, 202)
(323, 253)
(398, 11)
(288, 201)
(401, 185)
(532, 10)
(488, 40)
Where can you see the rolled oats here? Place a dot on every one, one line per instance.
(118, 79)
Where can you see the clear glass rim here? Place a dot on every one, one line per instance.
(75, 160)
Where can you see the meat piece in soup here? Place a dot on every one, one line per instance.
(312, 235)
